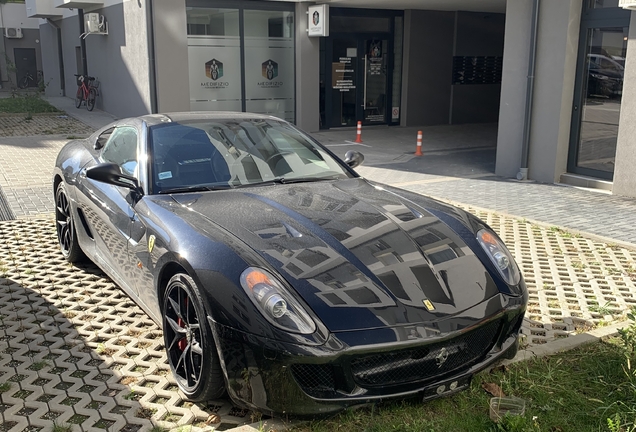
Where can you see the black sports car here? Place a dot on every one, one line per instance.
(277, 273)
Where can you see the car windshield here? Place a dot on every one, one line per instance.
(221, 154)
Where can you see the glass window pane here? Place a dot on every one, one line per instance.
(212, 21)
(269, 24)
(606, 51)
(269, 63)
(397, 70)
(600, 4)
(347, 24)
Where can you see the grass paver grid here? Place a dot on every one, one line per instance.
(75, 349)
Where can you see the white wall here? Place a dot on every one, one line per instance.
(14, 15)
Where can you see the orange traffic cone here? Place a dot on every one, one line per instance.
(359, 133)
(418, 149)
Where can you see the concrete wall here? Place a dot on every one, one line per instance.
(428, 50)
(120, 60)
(30, 39)
(481, 35)
(307, 74)
(624, 173)
(432, 38)
(15, 15)
(559, 25)
(171, 55)
(50, 61)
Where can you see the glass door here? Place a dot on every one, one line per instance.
(344, 82)
(375, 81)
(597, 100)
(358, 89)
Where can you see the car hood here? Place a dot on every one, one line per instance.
(360, 256)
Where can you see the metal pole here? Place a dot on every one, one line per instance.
(527, 121)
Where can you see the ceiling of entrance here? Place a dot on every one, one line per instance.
(447, 5)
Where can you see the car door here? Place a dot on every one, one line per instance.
(109, 209)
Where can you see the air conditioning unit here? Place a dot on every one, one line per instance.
(13, 32)
(95, 23)
(627, 4)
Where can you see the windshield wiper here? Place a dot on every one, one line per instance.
(194, 188)
(284, 180)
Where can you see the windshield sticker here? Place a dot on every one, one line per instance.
(165, 175)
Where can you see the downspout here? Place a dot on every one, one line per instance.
(60, 54)
(80, 14)
(527, 120)
(152, 72)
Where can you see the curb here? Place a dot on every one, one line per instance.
(567, 344)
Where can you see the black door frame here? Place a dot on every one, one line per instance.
(22, 68)
(360, 39)
(591, 18)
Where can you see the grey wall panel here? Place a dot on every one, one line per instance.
(476, 103)
(429, 67)
(50, 60)
(70, 40)
(624, 172)
(171, 55)
(307, 74)
(478, 34)
(28, 40)
(120, 60)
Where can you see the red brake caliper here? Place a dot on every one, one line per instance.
(183, 343)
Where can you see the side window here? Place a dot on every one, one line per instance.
(121, 149)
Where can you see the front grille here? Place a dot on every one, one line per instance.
(314, 379)
(420, 364)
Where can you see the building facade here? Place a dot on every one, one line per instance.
(20, 47)
(553, 74)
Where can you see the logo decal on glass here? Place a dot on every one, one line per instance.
(214, 69)
(270, 69)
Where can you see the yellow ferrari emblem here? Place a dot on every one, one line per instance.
(151, 243)
(429, 305)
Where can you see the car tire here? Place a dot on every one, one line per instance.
(79, 97)
(65, 226)
(90, 102)
(189, 342)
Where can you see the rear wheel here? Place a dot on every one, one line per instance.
(189, 342)
(90, 102)
(64, 221)
(79, 96)
(24, 83)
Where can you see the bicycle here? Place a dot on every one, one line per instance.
(27, 78)
(86, 92)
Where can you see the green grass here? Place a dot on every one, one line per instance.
(573, 391)
(30, 103)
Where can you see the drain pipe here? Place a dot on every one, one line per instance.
(525, 149)
(60, 54)
(152, 72)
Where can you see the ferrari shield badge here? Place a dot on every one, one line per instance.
(151, 243)
(428, 304)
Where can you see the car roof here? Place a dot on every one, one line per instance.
(154, 119)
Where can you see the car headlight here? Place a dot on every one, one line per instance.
(276, 304)
(500, 256)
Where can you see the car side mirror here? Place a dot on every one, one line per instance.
(353, 158)
(110, 173)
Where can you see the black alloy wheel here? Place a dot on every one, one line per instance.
(64, 222)
(189, 342)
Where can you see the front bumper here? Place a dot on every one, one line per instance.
(282, 378)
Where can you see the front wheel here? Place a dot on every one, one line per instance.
(79, 97)
(90, 102)
(189, 343)
(65, 224)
